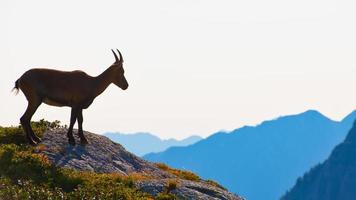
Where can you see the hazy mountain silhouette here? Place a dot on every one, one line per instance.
(144, 143)
(264, 161)
(333, 179)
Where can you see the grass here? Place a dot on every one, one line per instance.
(214, 183)
(183, 174)
(166, 193)
(171, 185)
(24, 174)
(15, 134)
(187, 175)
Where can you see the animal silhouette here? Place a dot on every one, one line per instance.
(75, 89)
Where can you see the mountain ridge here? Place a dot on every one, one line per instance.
(142, 143)
(333, 179)
(262, 152)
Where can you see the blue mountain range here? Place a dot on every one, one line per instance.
(263, 161)
(333, 179)
(144, 143)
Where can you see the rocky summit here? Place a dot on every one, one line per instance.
(102, 155)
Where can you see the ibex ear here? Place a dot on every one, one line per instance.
(116, 58)
(121, 59)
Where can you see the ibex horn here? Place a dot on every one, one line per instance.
(116, 58)
(121, 59)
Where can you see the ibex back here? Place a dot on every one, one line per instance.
(75, 89)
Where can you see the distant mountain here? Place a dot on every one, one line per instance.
(144, 143)
(333, 179)
(264, 161)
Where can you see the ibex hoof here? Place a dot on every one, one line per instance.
(32, 143)
(71, 142)
(37, 139)
(84, 141)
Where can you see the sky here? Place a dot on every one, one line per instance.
(194, 67)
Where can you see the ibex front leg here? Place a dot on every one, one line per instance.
(73, 118)
(83, 140)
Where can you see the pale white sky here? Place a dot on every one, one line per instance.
(194, 66)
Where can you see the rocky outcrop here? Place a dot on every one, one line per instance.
(102, 155)
(187, 189)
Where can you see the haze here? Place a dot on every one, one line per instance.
(194, 67)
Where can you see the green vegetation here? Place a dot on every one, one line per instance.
(166, 193)
(25, 174)
(15, 134)
(187, 175)
(214, 183)
(165, 196)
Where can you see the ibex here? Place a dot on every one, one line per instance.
(75, 89)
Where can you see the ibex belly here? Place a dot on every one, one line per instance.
(52, 102)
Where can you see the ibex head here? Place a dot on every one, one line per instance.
(119, 78)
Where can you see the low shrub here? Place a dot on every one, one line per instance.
(183, 174)
(171, 185)
(214, 183)
(163, 196)
(16, 135)
(166, 193)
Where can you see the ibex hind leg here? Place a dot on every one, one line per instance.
(83, 140)
(26, 119)
(73, 118)
(26, 128)
(34, 136)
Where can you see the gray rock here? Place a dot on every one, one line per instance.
(102, 155)
(187, 189)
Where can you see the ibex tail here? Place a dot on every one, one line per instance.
(16, 88)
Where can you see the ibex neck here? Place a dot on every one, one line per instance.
(103, 81)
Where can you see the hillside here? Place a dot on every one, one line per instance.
(333, 179)
(264, 161)
(100, 170)
(143, 143)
